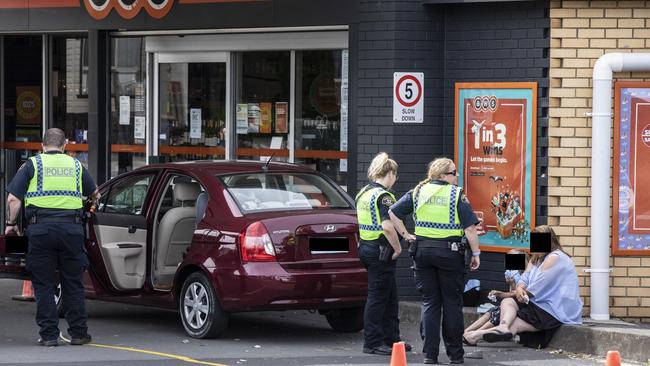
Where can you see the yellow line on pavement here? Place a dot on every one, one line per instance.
(153, 353)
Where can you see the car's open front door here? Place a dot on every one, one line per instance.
(13, 250)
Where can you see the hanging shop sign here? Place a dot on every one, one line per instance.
(495, 128)
(631, 198)
(408, 97)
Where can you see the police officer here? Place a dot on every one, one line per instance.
(52, 185)
(442, 217)
(378, 251)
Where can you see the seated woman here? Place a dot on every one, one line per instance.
(547, 296)
(492, 317)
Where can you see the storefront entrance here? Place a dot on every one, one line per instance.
(190, 104)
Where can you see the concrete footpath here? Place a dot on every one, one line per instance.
(592, 337)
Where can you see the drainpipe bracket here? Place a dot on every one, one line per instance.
(596, 270)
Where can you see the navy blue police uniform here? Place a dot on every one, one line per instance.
(381, 321)
(439, 277)
(56, 241)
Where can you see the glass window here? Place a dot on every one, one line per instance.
(127, 196)
(283, 192)
(127, 105)
(192, 110)
(69, 93)
(262, 110)
(321, 112)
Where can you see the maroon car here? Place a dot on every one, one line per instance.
(213, 238)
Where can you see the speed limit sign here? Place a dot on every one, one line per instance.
(408, 97)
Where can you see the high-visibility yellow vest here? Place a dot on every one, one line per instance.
(56, 182)
(435, 211)
(368, 212)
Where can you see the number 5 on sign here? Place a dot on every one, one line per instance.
(408, 97)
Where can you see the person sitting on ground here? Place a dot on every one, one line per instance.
(492, 317)
(546, 297)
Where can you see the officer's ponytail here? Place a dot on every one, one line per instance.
(380, 166)
(435, 171)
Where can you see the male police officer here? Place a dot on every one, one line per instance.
(442, 217)
(52, 185)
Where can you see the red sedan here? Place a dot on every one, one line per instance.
(213, 238)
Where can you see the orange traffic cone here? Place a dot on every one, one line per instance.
(28, 293)
(398, 357)
(613, 359)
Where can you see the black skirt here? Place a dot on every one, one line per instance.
(540, 319)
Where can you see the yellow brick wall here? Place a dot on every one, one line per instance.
(582, 31)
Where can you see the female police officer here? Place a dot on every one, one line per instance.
(378, 251)
(442, 216)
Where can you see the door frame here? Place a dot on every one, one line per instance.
(153, 140)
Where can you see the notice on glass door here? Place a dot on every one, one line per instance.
(281, 122)
(139, 127)
(195, 123)
(242, 119)
(125, 110)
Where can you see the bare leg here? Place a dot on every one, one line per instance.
(519, 326)
(479, 323)
(509, 310)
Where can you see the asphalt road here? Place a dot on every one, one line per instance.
(148, 337)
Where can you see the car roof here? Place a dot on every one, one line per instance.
(229, 166)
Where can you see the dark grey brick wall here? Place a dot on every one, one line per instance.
(449, 43)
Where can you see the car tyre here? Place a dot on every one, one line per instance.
(58, 300)
(348, 320)
(200, 311)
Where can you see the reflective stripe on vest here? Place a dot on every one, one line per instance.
(435, 211)
(368, 212)
(56, 182)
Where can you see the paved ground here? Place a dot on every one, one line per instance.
(275, 338)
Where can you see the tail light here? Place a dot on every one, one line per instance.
(256, 245)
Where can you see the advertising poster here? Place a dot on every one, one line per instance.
(125, 110)
(28, 105)
(495, 156)
(253, 118)
(266, 110)
(281, 117)
(195, 123)
(631, 203)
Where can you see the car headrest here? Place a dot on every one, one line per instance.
(186, 191)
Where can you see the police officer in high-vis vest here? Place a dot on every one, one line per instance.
(52, 185)
(442, 216)
(378, 251)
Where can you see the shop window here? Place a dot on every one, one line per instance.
(262, 105)
(321, 112)
(69, 93)
(127, 105)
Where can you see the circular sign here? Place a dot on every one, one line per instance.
(28, 105)
(411, 95)
(645, 136)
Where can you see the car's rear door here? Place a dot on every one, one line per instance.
(118, 246)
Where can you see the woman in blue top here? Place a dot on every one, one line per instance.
(547, 296)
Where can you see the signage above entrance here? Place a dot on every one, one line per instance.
(127, 9)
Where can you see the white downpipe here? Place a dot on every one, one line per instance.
(601, 169)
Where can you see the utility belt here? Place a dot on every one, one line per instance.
(454, 246)
(55, 220)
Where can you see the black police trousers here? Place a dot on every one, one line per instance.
(51, 247)
(439, 278)
(380, 318)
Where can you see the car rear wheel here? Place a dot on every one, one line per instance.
(58, 300)
(201, 313)
(349, 320)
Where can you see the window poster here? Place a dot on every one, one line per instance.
(28, 105)
(125, 110)
(253, 118)
(495, 156)
(242, 119)
(281, 117)
(631, 203)
(266, 111)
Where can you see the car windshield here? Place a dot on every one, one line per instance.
(255, 192)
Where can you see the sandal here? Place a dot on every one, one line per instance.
(497, 337)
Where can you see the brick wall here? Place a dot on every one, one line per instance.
(582, 31)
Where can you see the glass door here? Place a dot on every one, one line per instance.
(191, 105)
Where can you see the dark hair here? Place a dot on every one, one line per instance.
(555, 244)
(54, 137)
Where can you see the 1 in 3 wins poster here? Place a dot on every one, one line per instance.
(495, 154)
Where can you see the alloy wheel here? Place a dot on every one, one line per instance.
(195, 305)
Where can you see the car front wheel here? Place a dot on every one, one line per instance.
(349, 320)
(201, 313)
